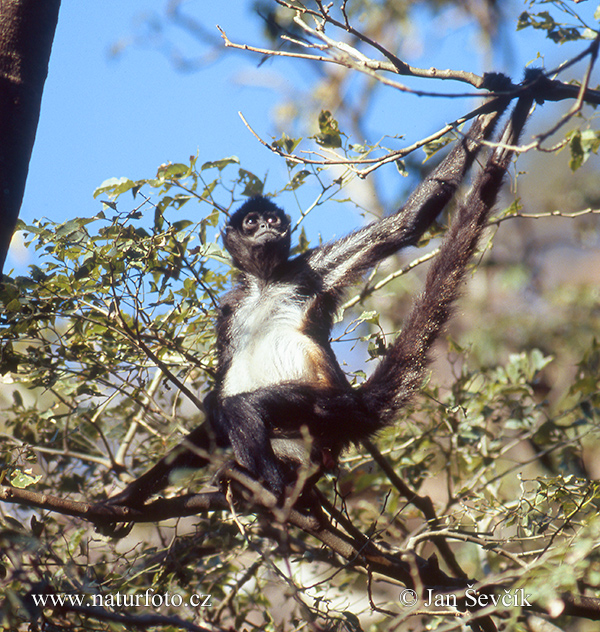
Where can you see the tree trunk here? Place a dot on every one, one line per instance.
(26, 33)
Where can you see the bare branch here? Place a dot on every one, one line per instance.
(375, 163)
(394, 64)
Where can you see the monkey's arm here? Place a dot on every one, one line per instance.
(343, 262)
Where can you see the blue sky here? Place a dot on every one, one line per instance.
(103, 117)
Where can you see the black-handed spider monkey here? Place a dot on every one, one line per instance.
(277, 373)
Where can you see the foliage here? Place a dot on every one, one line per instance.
(107, 350)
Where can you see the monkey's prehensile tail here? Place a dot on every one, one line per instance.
(401, 372)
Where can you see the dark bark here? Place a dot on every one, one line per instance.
(26, 34)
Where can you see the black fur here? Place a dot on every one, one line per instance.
(277, 373)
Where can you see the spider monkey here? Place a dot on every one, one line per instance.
(277, 375)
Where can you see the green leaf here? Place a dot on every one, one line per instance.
(433, 147)
(544, 21)
(24, 478)
(253, 185)
(115, 186)
(220, 164)
(297, 180)
(330, 135)
(401, 168)
(177, 170)
(13, 306)
(182, 225)
(524, 21)
(576, 148)
(286, 144)
(582, 145)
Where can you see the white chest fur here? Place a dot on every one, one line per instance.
(268, 345)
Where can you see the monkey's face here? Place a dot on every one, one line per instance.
(263, 227)
(258, 237)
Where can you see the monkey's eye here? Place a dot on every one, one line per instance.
(273, 220)
(251, 219)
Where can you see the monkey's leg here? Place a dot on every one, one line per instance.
(157, 477)
(243, 422)
(265, 429)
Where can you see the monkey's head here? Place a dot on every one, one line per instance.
(257, 237)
